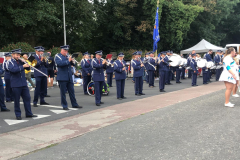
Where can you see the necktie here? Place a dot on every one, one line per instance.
(99, 61)
(121, 62)
(88, 61)
(39, 56)
(17, 61)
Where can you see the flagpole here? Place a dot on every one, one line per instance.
(156, 49)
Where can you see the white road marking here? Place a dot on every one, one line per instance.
(12, 122)
(59, 111)
(51, 106)
(40, 116)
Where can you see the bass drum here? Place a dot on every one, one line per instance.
(176, 60)
(210, 64)
(219, 66)
(201, 63)
(183, 62)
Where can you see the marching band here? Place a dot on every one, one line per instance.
(167, 64)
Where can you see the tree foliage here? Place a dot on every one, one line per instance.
(118, 25)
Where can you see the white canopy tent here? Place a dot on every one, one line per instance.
(201, 47)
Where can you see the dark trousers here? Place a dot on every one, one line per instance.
(109, 79)
(151, 78)
(162, 79)
(218, 73)
(171, 75)
(40, 90)
(205, 80)
(194, 78)
(167, 77)
(69, 85)
(189, 73)
(138, 85)
(183, 73)
(24, 93)
(8, 90)
(86, 80)
(209, 74)
(2, 104)
(120, 88)
(147, 77)
(98, 91)
(178, 72)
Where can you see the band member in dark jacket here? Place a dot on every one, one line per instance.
(19, 84)
(120, 76)
(64, 77)
(86, 71)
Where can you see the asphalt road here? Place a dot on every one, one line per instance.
(201, 128)
(54, 111)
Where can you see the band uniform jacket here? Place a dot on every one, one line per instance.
(86, 67)
(64, 68)
(17, 72)
(98, 70)
(42, 66)
(118, 68)
(138, 70)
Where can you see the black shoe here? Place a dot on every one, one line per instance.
(138, 94)
(101, 102)
(9, 101)
(66, 108)
(19, 118)
(47, 96)
(98, 104)
(5, 110)
(110, 86)
(169, 83)
(44, 103)
(35, 105)
(124, 97)
(77, 106)
(178, 82)
(86, 94)
(31, 116)
(162, 90)
(119, 98)
(166, 83)
(142, 93)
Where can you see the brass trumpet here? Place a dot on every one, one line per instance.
(46, 58)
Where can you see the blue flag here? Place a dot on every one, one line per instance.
(156, 36)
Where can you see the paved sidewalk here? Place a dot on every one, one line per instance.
(19, 142)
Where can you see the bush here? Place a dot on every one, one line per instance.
(54, 51)
(23, 45)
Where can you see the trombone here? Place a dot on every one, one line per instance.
(34, 63)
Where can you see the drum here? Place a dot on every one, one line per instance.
(175, 60)
(213, 67)
(183, 62)
(201, 63)
(210, 64)
(219, 66)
